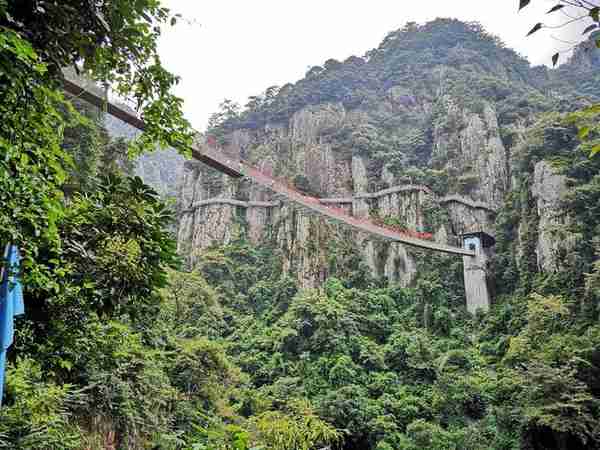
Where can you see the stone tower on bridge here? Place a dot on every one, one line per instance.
(475, 270)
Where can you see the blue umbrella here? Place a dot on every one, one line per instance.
(11, 304)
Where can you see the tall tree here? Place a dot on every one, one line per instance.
(114, 42)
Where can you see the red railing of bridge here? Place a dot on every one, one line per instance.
(284, 186)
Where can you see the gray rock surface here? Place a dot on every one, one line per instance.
(548, 190)
(160, 169)
(299, 148)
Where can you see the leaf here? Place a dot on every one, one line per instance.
(583, 132)
(595, 13)
(597, 43)
(537, 27)
(523, 4)
(65, 364)
(555, 8)
(555, 59)
(595, 150)
(594, 109)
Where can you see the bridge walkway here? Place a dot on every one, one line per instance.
(314, 205)
(235, 168)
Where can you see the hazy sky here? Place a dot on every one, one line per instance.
(237, 48)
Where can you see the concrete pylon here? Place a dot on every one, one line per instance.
(475, 270)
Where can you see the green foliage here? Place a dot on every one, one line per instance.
(239, 359)
(191, 306)
(553, 399)
(356, 83)
(586, 119)
(404, 368)
(122, 350)
(229, 111)
(116, 241)
(551, 139)
(114, 42)
(32, 166)
(93, 153)
(38, 415)
(588, 128)
(592, 280)
(101, 376)
(129, 390)
(300, 430)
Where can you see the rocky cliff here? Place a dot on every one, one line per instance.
(421, 133)
(160, 169)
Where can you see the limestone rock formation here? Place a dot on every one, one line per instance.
(424, 140)
(297, 152)
(548, 190)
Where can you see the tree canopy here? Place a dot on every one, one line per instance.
(120, 348)
(113, 42)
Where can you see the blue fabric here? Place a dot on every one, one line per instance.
(11, 305)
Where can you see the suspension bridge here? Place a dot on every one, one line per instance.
(473, 253)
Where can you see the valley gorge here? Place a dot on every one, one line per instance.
(439, 154)
(170, 306)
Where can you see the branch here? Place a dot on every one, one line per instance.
(592, 5)
(556, 27)
(574, 44)
(577, 5)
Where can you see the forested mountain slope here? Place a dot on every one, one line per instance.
(440, 110)
(275, 331)
(479, 135)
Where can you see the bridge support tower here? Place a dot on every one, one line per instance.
(475, 270)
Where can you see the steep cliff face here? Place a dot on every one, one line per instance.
(420, 134)
(473, 148)
(548, 189)
(216, 209)
(160, 169)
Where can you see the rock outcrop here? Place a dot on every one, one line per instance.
(424, 140)
(553, 239)
(298, 152)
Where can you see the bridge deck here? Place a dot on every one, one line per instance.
(234, 168)
(335, 214)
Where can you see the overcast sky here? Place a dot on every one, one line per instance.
(237, 48)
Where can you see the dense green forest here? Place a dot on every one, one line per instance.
(125, 347)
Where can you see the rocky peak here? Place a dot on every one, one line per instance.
(586, 55)
(418, 133)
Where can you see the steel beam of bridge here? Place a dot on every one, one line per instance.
(238, 169)
(126, 116)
